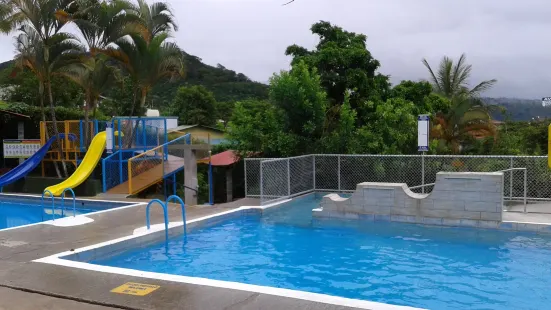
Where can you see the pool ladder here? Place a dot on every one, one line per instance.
(62, 202)
(164, 205)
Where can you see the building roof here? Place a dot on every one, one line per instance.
(14, 114)
(223, 159)
(186, 127)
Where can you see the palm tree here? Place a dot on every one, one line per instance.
(466, 119)
(30, 56)
(100, 23)
(37, 19)
(452, 79)
(144, 54)
(148, 63)
(95, 76)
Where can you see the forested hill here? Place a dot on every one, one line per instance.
(519, 109)
(227, 85)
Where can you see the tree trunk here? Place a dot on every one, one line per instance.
(133, 110)
(86, 121)
(43, 112)
(56, 131)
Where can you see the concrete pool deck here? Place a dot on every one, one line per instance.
(33, 285)
(39, 286)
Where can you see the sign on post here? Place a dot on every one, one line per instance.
(20, 148)
(423, 133)
(546, 101)
(109, 138)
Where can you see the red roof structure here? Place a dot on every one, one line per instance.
(223, 159)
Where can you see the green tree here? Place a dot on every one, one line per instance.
(255, 128)
(299, 95)
(224, 111)
(95, 76)
(38, 23)
(345, 66)
(452, 79)
(145, 54)
(422, 96)
(466, 119)
(195, 105)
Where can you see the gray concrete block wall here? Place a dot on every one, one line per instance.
(457, 197)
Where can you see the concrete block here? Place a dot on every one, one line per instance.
(545, 228)
(483, 206)
(350, 216)
(447, 205)
(488, 224)
(441, 194)
(355, 209)
(491, 197)
(366, 217)
(382, 218)
(432, 221)
(329, 206)
(469, 223)
(427, 203)
(451, 214)
(507, 226)
(451, 222)
(384, 210)
(404, 211)
(399, 218)
(465, 196)
(412, 203)
(379, 201)
(490, 216)
(529, 227)
(378, 192)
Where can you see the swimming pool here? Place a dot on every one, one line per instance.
(395, 263)
(18, 211)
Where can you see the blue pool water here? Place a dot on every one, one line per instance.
(403, 264)
(17, 213)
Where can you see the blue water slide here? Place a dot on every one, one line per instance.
(28, 165)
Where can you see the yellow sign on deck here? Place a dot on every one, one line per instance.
(138, 289)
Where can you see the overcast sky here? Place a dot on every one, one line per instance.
(509, 40)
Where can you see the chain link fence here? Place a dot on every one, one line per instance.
(272, 179)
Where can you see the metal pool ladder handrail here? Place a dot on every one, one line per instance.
(63, 201)
(178, 199)
(512, 170)
(53, 203)
(165, 211)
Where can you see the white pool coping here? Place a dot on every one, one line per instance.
(57, 259)
(70, 221)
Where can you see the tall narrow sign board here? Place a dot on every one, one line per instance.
(423, 133)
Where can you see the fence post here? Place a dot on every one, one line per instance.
(245, 169)
(261, 185)
(288, 177)
(314, 172)
(511, 180)
(525, 187)
(339, 171)
(423, 172)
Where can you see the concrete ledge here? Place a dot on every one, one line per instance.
(469, 196)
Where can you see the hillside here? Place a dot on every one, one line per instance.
(519, 109)
(227, 85)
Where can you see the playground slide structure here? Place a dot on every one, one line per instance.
(86, 167)
(31, 163)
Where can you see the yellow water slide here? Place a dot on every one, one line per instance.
(86, 167)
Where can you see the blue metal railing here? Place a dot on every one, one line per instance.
(178, 199)
(165, 211)
(53, 203)
(103, 169)
(63, 202)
